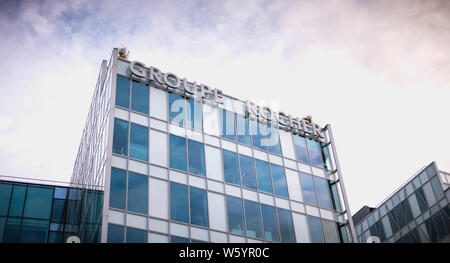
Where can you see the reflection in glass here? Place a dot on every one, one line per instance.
(34, 231)
(235, 215)
(179, 210)
(120, 137)
(176, 109)
(196, 158)
(286, 226)
(194, 114)
(315, 226)
(137, 193)
(118, 188)
(243, 130)
(136, 235)
(177, 147)
(39, 202)
(228, 125)
(273, 140)
(279, 180)
(300, 149)
(17, 200)
(315, 154)
(248, 176)
(270, 223)
(263, 176)
(139, 142)
(199, 207)
(115, 233)
(309, 194)
(252, 219)
(322, 192)
(123, 92)
(139, 97)
(230, 167)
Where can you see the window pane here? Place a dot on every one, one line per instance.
(58, 210)
(139, 142)
(175, 239)
(17, 200)
(315, 154)
(60, 193)
(235, 215)
(253, 219)
(179, 209)
(136, 235)
(300, 149)
(335, 198)
(123, 92)
(258, 132)
(330, 231)
(118, 188)
(177, 147)
(199, 207)
(429, 194)
(286, 226)
(230, 167)
(309, 194)
(2, 227)
(217, 211)
(34, 230)
(386, 226)
(437, 187)
(322, 192)
(273, 140)
(326, 155)
(196, 158)
(176, 109)
(139, 97)
(270, 223)
(247, 171)
(315, 226)
(414, 205)
(228, 125)
(120, 138)
(12, 229)
(137, 193)
(263, 174)
(115, 233)
(421, 199)
(243, 130)
(279, 180)
(5, 197)
(194, 114)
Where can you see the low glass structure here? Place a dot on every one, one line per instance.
(418, 212)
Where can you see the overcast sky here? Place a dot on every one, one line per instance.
(377, 71)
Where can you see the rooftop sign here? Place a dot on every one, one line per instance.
(253, 111)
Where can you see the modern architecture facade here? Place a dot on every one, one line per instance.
(33, 211)
(417, 212)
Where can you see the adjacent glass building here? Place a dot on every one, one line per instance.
(418, 212)
(33, 212)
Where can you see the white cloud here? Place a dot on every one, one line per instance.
(377, 71)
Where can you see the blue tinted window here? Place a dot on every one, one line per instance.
(58, 210)
(258, 132)
(335, 197)
(137, 193)
(199, 207)
(253, 219)
(196, 158)
(309, 194)
(115, 233)
(139, 97)
(248, 176)
(279, 180)
(300, 148)
(194, 114)
(177, 109)
(322, 192)
(60, 193)
(120, 138)
(273, 140)
(326, 155)
(230, 167)
(243, 130)
(175, 239)
(286, 226)
(12, 230)
(5, 196)
(56, 237)
(118, 188)
(34, 231)
(139, 142)
(235, 215)
(17, 200)
(228, 125)
(136, 236)
(177, 152)
(179, 209)
(39, 202)
(270, 223)
(315, 153)
(263, 175)
(315, 227)
(123, 92)
(2, 227)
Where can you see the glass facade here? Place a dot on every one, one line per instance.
(182, 168)
(417, 213)
(36, 213)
